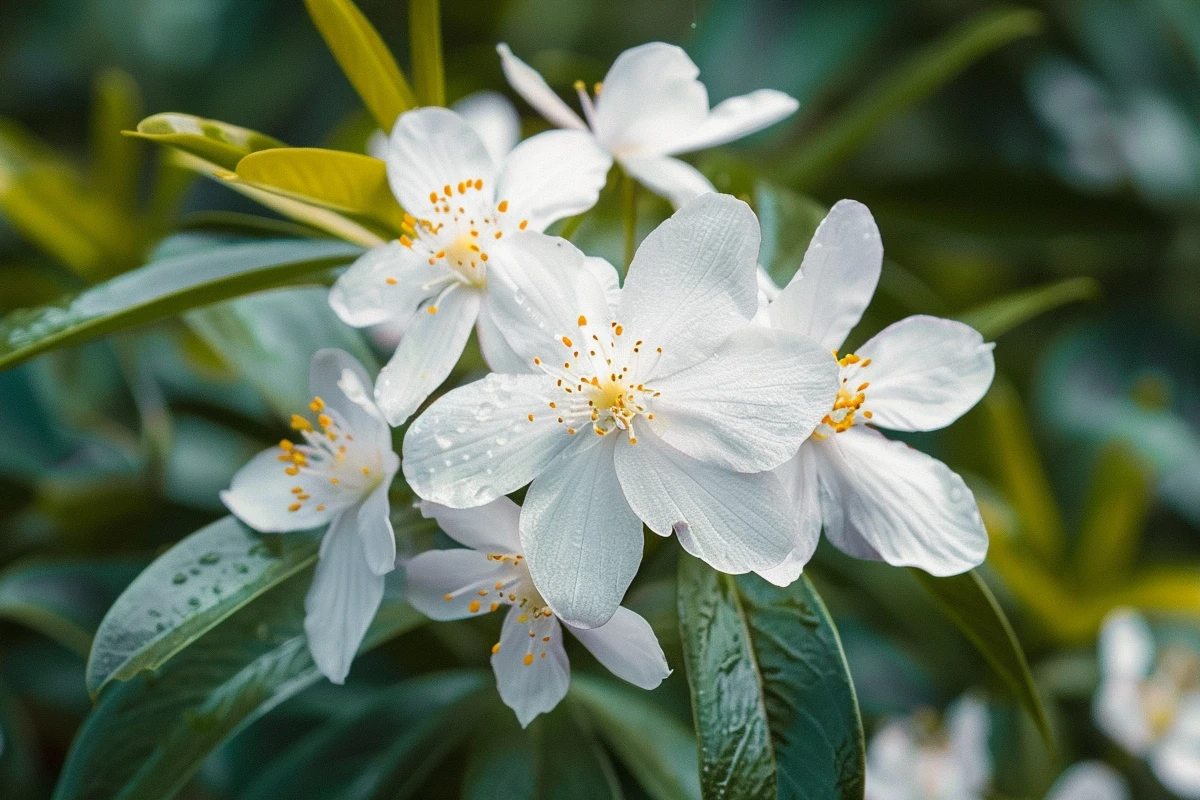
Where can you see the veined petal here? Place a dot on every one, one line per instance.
(385, 284)
(428, 351)
(1176, 761)
(445, 584)
(883, 499)
(431, 148)
(926, 372)
(1089, 780)
(528, 83)
(532, 671)
(343, 384)
(582, 541)
(751, 405)
(737, 117)
(1126, 646)
(261, 495)
(799, 476)
(827, 296)
(650, 100)
(552, 175)
(477, 443)
(490, 528)
(693, 280)
(343, 599)
(497, 352)
(627, 646)
(494, 120)
(375, 526)
(668, 177)
(735, 522)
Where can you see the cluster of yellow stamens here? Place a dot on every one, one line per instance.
(516, 590)
(849, 401)
(322, 451)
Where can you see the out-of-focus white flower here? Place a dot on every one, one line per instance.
(876, 498)
(531, 666)
(460, 205)
(1089, 780)
(1149, 700)
(338, 475)
(650, 108)
(658, 402)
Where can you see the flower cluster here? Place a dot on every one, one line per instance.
(695, 398)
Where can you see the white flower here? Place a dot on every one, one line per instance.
(649, 108)
(460, 205)
(1089, 780)
(877, 498)
(339, 475)
(658, 402)
(532, 671)
(1149, 702)
(917, 758)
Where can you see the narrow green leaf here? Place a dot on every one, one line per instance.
(998, 317)
(364, 58)
(1118, 501)
(116, 159)
(775, 706)
(970, 605)
(212, 140)
(917, 79)
(187, 591)
(657, 749)
(425, 37)
(164, 288)
(789, 220)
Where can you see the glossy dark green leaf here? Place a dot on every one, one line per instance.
(20, 760)
(212, 140)
(164, 288)
(775, 707)
(187, 591)
(999, 316)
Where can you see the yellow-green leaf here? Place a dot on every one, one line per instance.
(214, 141)
(1118, 500)
(116, 159)
(1003, 314)
(425, 35)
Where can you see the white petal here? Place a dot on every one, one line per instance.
(736, 522)
(799, 475)
(693, 280)
(375, 528)
(1119, 711)
(343, 384)
(627, 646)
(363, 294)
(1089, 780)
(431, 148)
(343, 599)
(605, 275)
(497, 352)
(1176, 762)
(552, 175)
(884, 500)
(969, 726)
(494, 120)
(751, 404)
(526, 81)
(582, 541)
(490, 528)
(737, 117)
(925, 373)
(260, 495)
(476, 442)
(537, 687)
(668, 177)
(892, 759)
(1126, 645)
(434, 575)
(650, 100)
(827, 296)
(427, 353)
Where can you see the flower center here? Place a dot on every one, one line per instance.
(848, 405)
(1176, 674)
(327, 456)
(516, 589)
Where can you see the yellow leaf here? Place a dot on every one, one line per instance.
(217, 142)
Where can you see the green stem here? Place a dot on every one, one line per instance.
(629, 214)
(425, 34)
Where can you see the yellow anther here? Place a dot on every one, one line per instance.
(473, 607)
(334, 481)
(531, 417)
(478, 184)
(285, 445)
(524, 224)
(521, 620)
(503, 207)
(324, 420)
(299, 423)
(432, 309)
(494, 606)
(291, 470)
(294, 507)
(366, 471)
(495, 648)
(446, 190)
(528, 659)
(580, 86)
(433, 197)
(447, 597)
(320, 508)
(582, 320)
(566, 341)
(407, 242)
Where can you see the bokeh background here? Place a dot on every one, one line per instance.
(1069, 156)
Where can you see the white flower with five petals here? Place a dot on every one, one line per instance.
(877, 498)
(659, 402)
(339, 474)
(459, 204)
(651, 108)
(530, 662)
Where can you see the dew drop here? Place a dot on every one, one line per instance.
(179, 578)
(210, 558)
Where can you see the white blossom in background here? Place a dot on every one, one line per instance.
(649, 109)
(1089, 780)
(659, 402)
(338, 474)
(1148, 700)
(460, 204)
(877, 498)
(530, 662)
(923, 758)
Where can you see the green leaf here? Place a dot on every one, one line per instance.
(148, 736)
(657, 749)
(1003, 314)
(1118, 501)
(970, 605)
(116, 159)
(364, 58)
(63, 599)
(384, 750)
(425, 36)
(911, 83)
(774, 702)
(187, 591)
(217, 142)
(345, 182)
(164, 288)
